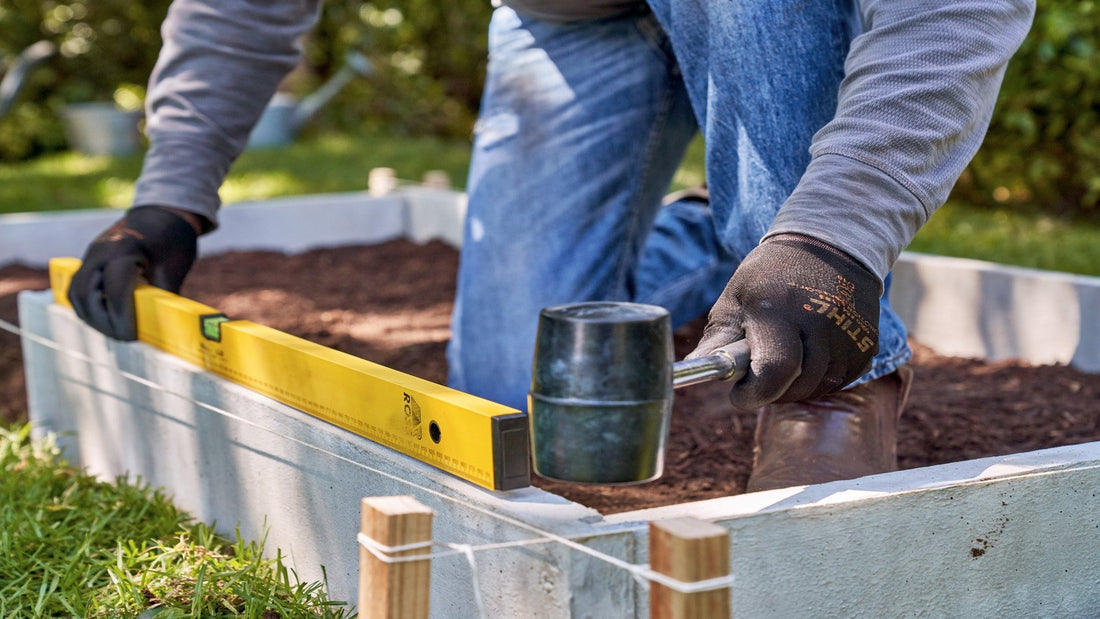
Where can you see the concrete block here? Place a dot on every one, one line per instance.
(290, 225)
(995, 537)
(976, 309)
(434, 214)
(1007, 536)
(299, 224)
(33, 238)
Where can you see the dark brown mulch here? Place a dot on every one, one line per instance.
(391, 303)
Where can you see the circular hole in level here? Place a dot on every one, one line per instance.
(433, 431)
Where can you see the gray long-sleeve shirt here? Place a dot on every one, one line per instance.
(918, 94)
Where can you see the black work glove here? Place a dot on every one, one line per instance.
(810, 314)
(151, 245)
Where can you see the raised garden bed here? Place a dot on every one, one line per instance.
(391, 302)
(983, 535)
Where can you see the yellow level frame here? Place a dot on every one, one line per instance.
(478, 440)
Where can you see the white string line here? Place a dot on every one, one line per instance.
(388, 554)
(385, 554)
(544, 535)
(374, 545)
(468, 550)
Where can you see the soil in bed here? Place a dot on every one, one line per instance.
(391, 304)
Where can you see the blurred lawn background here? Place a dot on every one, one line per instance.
(338, 163)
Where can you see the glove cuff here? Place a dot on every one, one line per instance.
(157, 222)
(824, 251)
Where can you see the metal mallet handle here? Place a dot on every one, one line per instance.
(729, 362)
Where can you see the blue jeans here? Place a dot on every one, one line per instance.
(582, 127)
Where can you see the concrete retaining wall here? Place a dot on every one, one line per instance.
(1010, 536)
(1015, 535)
(289, 225)
(970, 308)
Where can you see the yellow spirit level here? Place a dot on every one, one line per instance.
(478, 440)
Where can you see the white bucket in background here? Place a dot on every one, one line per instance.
(102, 129)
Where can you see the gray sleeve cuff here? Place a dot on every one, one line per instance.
(220, 63)
(854, 207)
(917, 96)
(184, 173)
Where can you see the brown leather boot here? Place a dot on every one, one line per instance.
(842, 435)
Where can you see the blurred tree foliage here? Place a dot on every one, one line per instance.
(428, 61)
(106, 49)
(428, 57)
(1042, 151)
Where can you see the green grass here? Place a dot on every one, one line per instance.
(1009, 237)
(71, 545)
(67, 181)
(331, 163)
(322, 165)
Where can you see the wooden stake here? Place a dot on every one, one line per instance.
(688, 550)
(394, 590)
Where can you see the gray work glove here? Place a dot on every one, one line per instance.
(150, 244)
(810, 314)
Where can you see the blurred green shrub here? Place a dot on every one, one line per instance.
(428, 62)
(1043, 148)
(428, 58)
(106, 50)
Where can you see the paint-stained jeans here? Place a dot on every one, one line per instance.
(582, 127)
